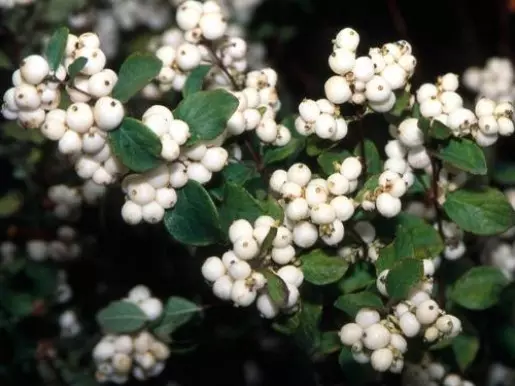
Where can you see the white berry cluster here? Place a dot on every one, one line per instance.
(372, 78)
(431, 373)
(118, 356)
(494, 81)
(69, 324)
(500, 375)
(67, 201)
(383, 341)
(317, 207)
(322, 118)
(393, 184)
(453, 236)
(367, 234)
(13, 3)
(237, 275)
(35, 91)
(152, 307)
(129, 14)
(65, 247)
(502, 256)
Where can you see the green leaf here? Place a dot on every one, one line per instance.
(486, 212)
(266, 245)
(135, 145)
(465, 349)
(352, 303)
(206, 113)
(195, 80)
(372, 156)
(76, 67)
(177, 312)
(121, 317)
(291, 150)
(329, 342)
(286, 324)
(401, 104)
(316, 145)
(329, 160)
(403, 276)
(19, 305)
(355, 373)
(194, 220)
(504, 173)
(439, 131)
(56, 48)
(463, 154)
(479, 288)
(320, 269)
(356, 279)
(10, 203)
(418, 237)
(276, 288)
(43, 278)
(272, 208)
(5, 62)
(136, 72)
(239, 172)
(308, 333)
(238, 204)
(387, 258)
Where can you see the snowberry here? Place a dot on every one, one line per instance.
(27, 97)
(198, 172)
(384, 107)
(166, 197)
(264, 221)
(381, 359)
(366, 317)
(291, 190)
(246, 248)
(266, 306)
(299, 173)
(152, 307)
(337, 89)
(333, 233)
(284, 255)
(338, 184)
(427, 312)
(377, 90)
(309, 110)
(132, 213)
(343, 207)
(213, 25)
(322, 213)
(222, 287)
(283, 136)
(267, 130)
(240, 270)
(108, 113)
(431, 108)
(506, 126)
(213, 269)
(363, 69)
(283, 237)
(103, 351)
(153, 212)
(291, 274)
(398, 342)
(240, 228)
(297, 209)
(305, 234)
(348, 39)
(315, 194)
(34, 69)
(325, 126)
(410, 134)
(388, 205)
(456, 326)
(376, 336)
(394, 75)
(342, 61)
(449, 82)
(381, 282)
(350, 333)
(215, 159)
(241, 294)
(426, 91)
(409, 324)
(351, 168)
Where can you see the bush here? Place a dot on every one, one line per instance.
(177, 204)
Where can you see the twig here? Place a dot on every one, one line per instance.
(362, 140)
(255, 156)
(435, 165)
(219, 64)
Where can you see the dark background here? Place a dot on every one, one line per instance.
(235, 347)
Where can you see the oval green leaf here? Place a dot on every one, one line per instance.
(56, 48)
(76, 67)
(177, 312)
(135, 145)
(276, 288)
(195, 80)
(136, 72)
(121, 317)
(206, 113)
(320, 268)
(479, 288)
(194, 220)
(403, 276)
(485, 212)
(238, 204)
(463, 154)
(352, 303)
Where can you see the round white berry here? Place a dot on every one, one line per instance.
(291, 275)
(284, 255)
(108, 113)
(213, 269)
(485, 107)
(449, 82)
(337, 89)
(388, 205)
(366, 317)
(213, 25)
(427, 312)
(376, 336)
(325, 126)
(426, 91)
(198, 172)
(153, 212)
(27, 97)
(241, 294)
(297, 209)
(342, 61)
(240, 228)
(166, 197)
(152, 307)
(266, 306)
(246, 248)
(351, 168)
(343, 207)
(409, 324)
(350, 334)
(278, 179)
(291, 190)
(381, 359)
(363, 69)
(34, 69)
(506, 126)
(305, 234)
(395, 76)
(381, 282)
(299, 173)
(309, 110)
(240, 270)
(347, 38)
(102, 83)
(377, 90)
(332, 234)
(283, 237)
(222, 287)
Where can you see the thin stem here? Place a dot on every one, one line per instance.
(362, 139)
(219, 64)
(255, 156)
(435, 164)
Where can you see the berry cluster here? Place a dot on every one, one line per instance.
(240, 275)
(432, 374)
(142, 354)
(65, 247)
(69, 324)
(322, 118)
(316, 207)
(371, 78)
(367, 234)
(494, 81)
(453, 238)
(35, 91)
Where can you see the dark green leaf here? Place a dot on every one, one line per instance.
(465, 349)
(136, 72)
(464, 155)
(194, 220)
(320, 268)
(479, 289)
(439, 131)
(370, 185)
(403, 276)
(316, 145)
(19, 305)
(276, 288)
(372, 156)
(401, 104)
(206, 113)
(195, 80)
(135, 145)
(5, 62)
(352, 303)
(10, 203)
(356, 279)
(268, 241)
(329, 342)
(387, 258)
(486, 212)
(177, 312)
(276, 154)
(43, 278)
(329, 161)
(504, 173)
(239, 172)
(121, 317)
(76, 67)
(272, 208)
(56, 48)
(238, 204)
(287, 324)
(308, 333)
(417, 238)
